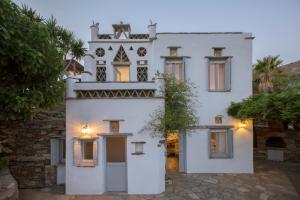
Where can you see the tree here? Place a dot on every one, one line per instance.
(178, 114)
(66, 42)
(31, 60)
(264, 72)
(281, 107)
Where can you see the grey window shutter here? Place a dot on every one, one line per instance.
(76, 151)
(54, 148)
(208, 75)
(95, 152)
(228, 75)
(230, 142)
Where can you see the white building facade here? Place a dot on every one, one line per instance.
(108, 107)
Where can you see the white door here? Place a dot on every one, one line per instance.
(116, 168)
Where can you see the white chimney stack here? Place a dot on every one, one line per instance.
(152, 31)
(94, 31)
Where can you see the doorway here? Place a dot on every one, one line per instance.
(173, 152)
(116, 166)
(176, 152)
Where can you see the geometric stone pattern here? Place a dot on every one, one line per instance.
(101, 74)
(122, 93)
(138, 36)
(142, 74)
(121, 55)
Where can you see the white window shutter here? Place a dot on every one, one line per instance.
(230, 142)
(228, 75)
(76, 151)
(54, 148)
(95, 152)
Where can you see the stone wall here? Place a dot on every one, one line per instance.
(8, 186)
(290, 137)
(30, 140)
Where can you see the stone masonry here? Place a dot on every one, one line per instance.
(30, 141)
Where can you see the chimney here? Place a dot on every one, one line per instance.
(94, 31)
(152, 31)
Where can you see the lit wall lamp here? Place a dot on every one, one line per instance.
(85, 130)
(242, 124)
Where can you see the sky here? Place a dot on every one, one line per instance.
(274, 23)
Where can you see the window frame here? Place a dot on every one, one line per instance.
(138, 74)
(110, 126)
(228, 154)
(78, 152)
(83, 150)
(217, 75)
(227, 74)
(115, 73)
(174, 62)
(98, 73)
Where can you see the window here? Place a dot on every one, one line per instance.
(175, 69)
(121, 73)
(58, 151)
(114, 126)
(142, 74)
(87, 149)
(218, 76)
(100, 52)
(85, 152)
(221, 143)
(101, 74)
(218, 52)
(218, 119)
(139, 148)
(141, 51)
(173, 51)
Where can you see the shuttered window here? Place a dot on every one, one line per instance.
(175, 69)
(219, 73)
(85, 152)
(221, 143)
(58, 151)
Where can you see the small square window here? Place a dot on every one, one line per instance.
(218, 52)
(173, 51)
(218, 119)
(139, 148)
(114, 126)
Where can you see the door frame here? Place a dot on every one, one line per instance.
(126, 160)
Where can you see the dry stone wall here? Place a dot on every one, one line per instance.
(30, 141)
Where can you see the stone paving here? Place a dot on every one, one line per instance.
(271, 181)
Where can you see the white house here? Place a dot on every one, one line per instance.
(109, 106)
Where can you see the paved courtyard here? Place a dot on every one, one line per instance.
(271, 181)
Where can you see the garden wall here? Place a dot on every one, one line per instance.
(30, 141)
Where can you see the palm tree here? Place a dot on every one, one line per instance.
(66, 42)
(265, 71)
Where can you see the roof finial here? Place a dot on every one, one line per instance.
(150, 22)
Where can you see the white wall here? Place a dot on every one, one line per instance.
(198, 160)
(142, 179)
(211, 104)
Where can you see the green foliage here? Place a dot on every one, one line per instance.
(282, 106)
(32, 58)
(178, 113)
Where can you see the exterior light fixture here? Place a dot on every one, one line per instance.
(242, 124)
(85, 129)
